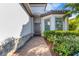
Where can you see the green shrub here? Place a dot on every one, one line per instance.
(74, 24)
(65, 42)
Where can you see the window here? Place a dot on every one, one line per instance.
(59, 23)
(47, 24)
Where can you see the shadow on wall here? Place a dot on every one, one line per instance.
(25, 29)
(25, 35)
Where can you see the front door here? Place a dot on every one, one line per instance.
(37, 29)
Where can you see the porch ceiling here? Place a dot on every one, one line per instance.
(38, 8)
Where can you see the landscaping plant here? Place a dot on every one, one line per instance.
(65, 42)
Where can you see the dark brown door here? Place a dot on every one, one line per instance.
(37, 29)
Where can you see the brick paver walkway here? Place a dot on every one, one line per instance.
(35, 47)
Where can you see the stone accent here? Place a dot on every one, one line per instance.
(10, 45)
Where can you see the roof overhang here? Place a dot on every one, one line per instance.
(34, 9)
(54, 12)
(28, 7)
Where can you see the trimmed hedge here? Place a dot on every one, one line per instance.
(65, 42)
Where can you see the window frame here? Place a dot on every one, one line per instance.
(61, 21)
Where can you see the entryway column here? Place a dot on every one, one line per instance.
(42, 26)
(65, 24)
(52, 21)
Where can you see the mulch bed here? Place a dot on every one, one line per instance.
(50, 45)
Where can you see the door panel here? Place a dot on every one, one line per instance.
(37, 28)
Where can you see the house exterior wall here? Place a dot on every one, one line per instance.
(13, 17)
(60, 16)
(14, 22)
(52, 22)
(27, 28)
(43, 22)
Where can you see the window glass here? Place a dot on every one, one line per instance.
(47, 24)
(59, 23)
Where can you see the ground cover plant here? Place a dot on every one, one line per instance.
(65, 42)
